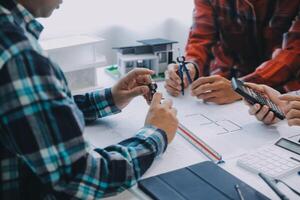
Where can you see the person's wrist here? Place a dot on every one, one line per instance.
(116, 98)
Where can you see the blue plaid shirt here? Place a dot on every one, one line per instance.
(43, 154)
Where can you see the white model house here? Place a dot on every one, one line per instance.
(154, 54)
(78, 57)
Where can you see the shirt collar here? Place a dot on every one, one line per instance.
(23, 17)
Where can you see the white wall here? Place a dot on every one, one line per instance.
(121, 21)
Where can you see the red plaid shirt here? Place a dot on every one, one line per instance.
(260, 37)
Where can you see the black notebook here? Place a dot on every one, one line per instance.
(204, 180)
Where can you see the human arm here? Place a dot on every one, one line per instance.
(44, 127)
(102, 103)
(284, 64)
(202, 36)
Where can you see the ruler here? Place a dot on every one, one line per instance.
(200, 144)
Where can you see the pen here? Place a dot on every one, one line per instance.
(237, 188)
(295, 159)
(271, 184)
(293, 189)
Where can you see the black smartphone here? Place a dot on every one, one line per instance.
(254, 97)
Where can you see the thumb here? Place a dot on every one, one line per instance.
(139, 90)
(156, 99)
(256, 87)
(173, 67)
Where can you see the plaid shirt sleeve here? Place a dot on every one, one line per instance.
(43, 127)
(284, 65)
(202, 36)
(96, 105)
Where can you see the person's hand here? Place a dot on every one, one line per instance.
(162, 116)
(291, 109)
(132, 85)
(263, 113)
(216, 89)
(173, 82)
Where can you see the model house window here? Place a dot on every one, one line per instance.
(162, 57)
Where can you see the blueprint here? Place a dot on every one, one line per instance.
(227, 128)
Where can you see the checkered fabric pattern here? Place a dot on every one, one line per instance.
(43, 154)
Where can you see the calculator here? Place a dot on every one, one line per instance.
(276, 160)
(254, 97)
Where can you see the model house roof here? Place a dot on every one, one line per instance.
(157, 41)
(147, 43)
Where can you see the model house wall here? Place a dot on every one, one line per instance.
(155, 54)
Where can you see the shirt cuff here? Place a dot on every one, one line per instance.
(155, 136)
(105, 103)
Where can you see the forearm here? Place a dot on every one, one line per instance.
(59, 156)
(117, 167)
(284, 65)
(96, 104)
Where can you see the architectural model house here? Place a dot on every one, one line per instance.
(78, 57)
(154, 54)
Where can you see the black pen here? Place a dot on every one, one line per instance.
(272, 185)
(237, 188)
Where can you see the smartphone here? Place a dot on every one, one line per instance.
(254, 97)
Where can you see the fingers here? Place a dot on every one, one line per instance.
(293, 116)
(172, 73)
(173, 85)
(204, 80)
(292, 109)
(139, 90)
(134, 74)
(262, 113)
(142, 80)
(256, 87)
(156, 99)
(287, 97)
(254, 109)
(205, 88)
(172, 91)
(294, 122)
(293, 113)
(292, 105)
(270, 118)
(208, 95)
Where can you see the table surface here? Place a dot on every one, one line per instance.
(247, 134)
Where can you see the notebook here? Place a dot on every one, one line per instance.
(204, 180)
